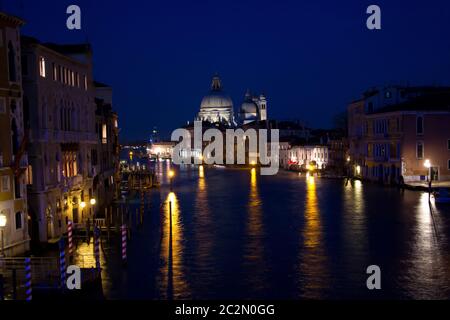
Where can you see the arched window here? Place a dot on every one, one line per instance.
(19, 222)
(419, 126)
(12, 62)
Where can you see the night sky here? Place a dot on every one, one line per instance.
(309, 57)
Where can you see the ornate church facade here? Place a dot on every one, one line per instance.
(217, 107)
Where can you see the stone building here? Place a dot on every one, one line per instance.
(105, 159)
(396, 131)
(14, 172)
(59, 101)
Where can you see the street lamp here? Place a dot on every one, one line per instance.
(3, 221)
(427, 164)
(92, 202)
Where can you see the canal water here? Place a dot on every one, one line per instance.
(238, 235)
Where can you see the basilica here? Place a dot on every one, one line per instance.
(217, 107)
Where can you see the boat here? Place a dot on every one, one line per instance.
(442, 195)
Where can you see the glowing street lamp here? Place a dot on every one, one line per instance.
(3, 221)
(92, 202)
(427, 164)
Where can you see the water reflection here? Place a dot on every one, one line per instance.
(204, 255)
(254, 258)
(313, 276)
(173, 282)
(425, 255)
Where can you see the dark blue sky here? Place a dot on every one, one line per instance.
(310, 57)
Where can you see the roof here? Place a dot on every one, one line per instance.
(430, 102)
(64, 49)
(13, 19)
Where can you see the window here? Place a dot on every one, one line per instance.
(388, 94)
(55, 72)
(85, 83)
(19, 222)
(42, 72)
(29, 175)
(5, 184)
(419, 126)
(104, 134)
(448, 165)
(17, 188)
(419, 150)
(3, 106)
(448, 144)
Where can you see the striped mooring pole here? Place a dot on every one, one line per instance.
(28, 289)
(97, 246)
(62, 262)
(124, 243)
(70, 237)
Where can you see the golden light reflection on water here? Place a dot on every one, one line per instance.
(204, 226)
(312, 231)
(172, 273)
(254, 246)
(313, 258)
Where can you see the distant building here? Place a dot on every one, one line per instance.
(254, 108)
(216, 107)
(105, 158)
(393, 131)
(162, 149)
(14, 174)
(59, 99)
(304, 157)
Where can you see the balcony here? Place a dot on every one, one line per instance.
(75, 182)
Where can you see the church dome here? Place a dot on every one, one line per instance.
(249, 106)
(216, 99)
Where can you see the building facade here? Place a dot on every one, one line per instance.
(390, 141)
(13, 139)
(105, 159)
(59, 101)
(307, 157)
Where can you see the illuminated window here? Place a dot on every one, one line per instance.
(85, 83)
(42, 72)
(30, 175)
(104, 134)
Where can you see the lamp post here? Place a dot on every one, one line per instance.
(82, 205)
(427, 164)
(93, 202)
(3, 221)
